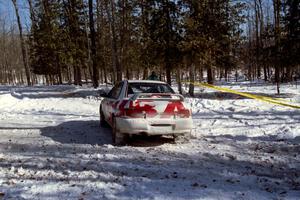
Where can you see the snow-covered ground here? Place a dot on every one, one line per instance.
(51, 147)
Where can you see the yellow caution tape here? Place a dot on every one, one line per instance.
(252, 96)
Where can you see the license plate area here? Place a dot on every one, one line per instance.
(161, 125)
(164, 128)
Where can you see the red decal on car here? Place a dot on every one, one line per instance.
(138, 109)
(176, 108)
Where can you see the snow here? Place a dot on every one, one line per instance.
(51, 147)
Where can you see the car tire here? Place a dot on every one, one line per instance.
(103, 123)
(117, 137)
(183, 138)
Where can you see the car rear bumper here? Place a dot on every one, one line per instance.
(154, 126)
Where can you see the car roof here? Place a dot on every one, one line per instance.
(145, 81)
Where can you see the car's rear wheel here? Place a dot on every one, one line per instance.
(117, 137)
(103, 123)
(183, 138)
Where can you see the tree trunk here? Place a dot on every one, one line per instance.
(265, 73)
(277, 5)
(127, 73)
(93, 45)
(78, 75)
(179, 80)
(210, 78)
(101, 40)
(192, 77)
(261, 19)
(59, 70)
(145, 73)
(115, 57)
(257, 35)
(75, 75)
(27, 71)
(168, 73)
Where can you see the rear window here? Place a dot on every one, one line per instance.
(134, 88)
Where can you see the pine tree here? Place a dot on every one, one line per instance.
(163, 30)
(211, 28)
(45, 44)
(73, 24)
(292, 28)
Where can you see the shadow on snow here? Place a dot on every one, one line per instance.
(90, 132)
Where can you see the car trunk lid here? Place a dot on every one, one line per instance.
(156, 105)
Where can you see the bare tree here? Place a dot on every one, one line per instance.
(32, 13)
(27, 71)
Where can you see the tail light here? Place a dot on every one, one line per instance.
(132, 109)
(184, 113)
(146, 108)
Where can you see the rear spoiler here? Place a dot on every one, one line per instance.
(147, 96)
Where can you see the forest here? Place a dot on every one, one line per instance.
(227, 128)
(104, 41)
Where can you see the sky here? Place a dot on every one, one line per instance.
(7, 13)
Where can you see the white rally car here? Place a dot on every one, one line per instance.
(145, 108)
